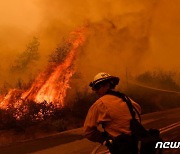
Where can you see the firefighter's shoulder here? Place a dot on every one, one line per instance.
(96, 104)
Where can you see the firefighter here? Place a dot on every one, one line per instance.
(113, 114)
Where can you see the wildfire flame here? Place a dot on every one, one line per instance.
(51, 85)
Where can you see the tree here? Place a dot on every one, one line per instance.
(60, 53)
(26, 58)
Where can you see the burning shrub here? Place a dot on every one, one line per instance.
(43, 103)
(29, 113)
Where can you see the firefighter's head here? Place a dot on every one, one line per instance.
(103, 82)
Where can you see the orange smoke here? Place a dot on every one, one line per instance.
(51, 85)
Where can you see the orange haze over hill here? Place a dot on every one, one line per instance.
(124, 35)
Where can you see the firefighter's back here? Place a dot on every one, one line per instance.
(119, 113)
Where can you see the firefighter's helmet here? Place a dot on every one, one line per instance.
(103, 77)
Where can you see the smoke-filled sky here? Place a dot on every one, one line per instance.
(124, 34)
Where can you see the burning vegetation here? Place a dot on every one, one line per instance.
(43, 104)
(123, 38)
(46, 95)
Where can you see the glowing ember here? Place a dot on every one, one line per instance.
(51, 85)
(11, 99)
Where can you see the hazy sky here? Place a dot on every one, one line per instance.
(152, 23)
(23, 14)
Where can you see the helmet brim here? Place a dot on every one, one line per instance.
(114, 80)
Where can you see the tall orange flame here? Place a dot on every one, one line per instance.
(52, 84)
